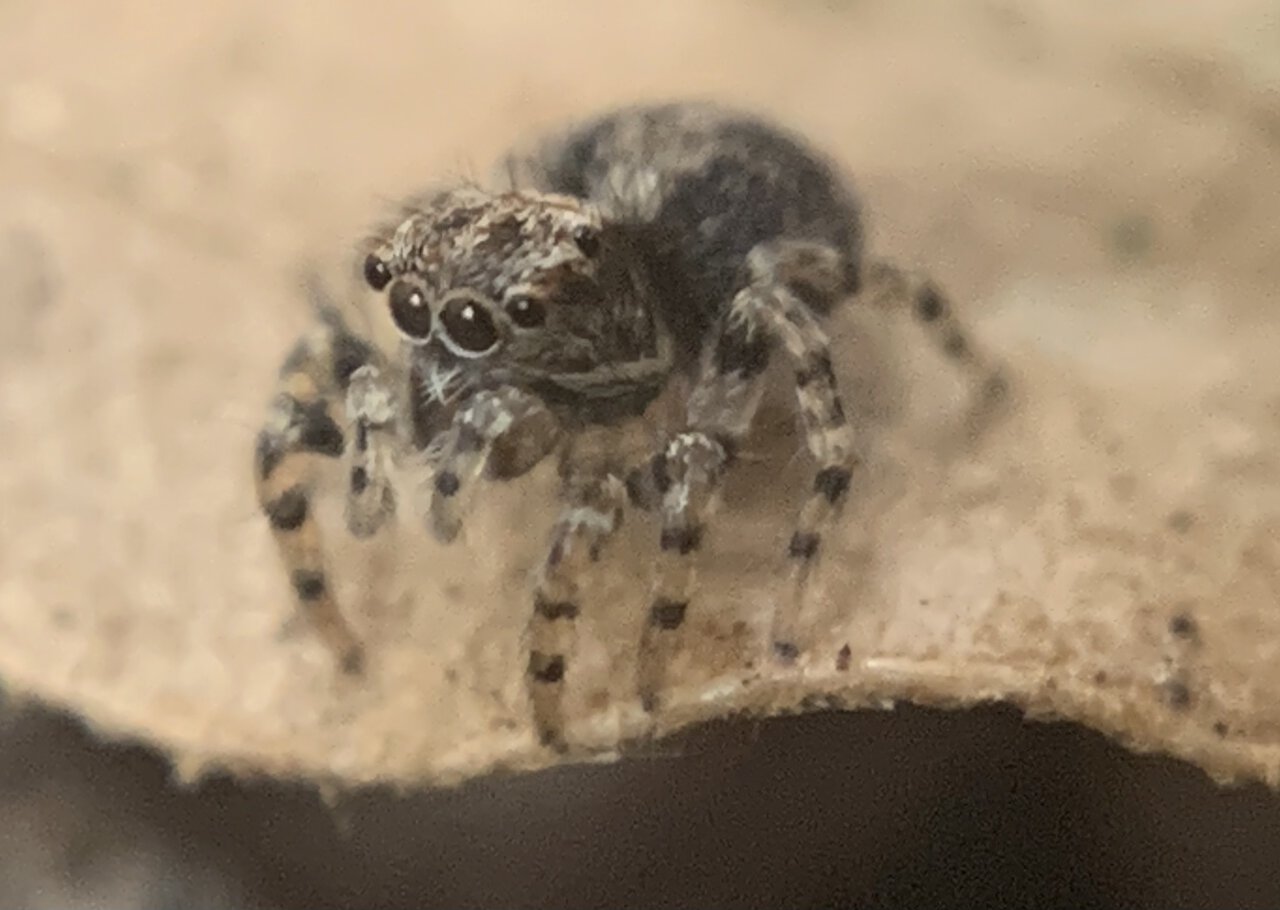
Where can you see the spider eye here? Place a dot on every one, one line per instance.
(410, 311)
(588, 240)
(526, 312)
(469, 325)
(376, 272)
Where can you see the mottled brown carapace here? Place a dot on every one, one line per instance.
(541, 316)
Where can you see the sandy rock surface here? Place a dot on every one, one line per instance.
(1100, 193)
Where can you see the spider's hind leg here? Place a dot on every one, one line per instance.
(890, 285)
(790, 282)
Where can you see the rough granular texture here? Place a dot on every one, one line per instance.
(1110, 552)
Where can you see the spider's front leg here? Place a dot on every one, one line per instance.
(767, 313)
(503, 433)
(300, 428)
(500, 432)
(594, 496)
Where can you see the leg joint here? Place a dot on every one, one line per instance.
(288, 511)
(804, 545)
(309, 585)
(554, 609)
(682, 540)
(546, 668)
(832, 483)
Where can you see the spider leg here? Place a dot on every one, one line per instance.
(767, 313)
(300, 428)
(500, 432)
(594, 496)
(371, 410)
(893, 286)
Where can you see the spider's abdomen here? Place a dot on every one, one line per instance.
(702, 187)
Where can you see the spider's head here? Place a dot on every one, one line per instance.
(507, 280)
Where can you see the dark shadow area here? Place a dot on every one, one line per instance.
(906, 808)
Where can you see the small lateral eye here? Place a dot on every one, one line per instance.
(410, 311)
(526, 312)
(376, 272)
(588, 240)
(469, 325)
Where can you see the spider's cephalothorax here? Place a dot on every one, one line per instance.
(535, 319)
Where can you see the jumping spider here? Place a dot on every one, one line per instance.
(654, 242)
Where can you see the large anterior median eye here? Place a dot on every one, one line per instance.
(409, 310)
(469, 326)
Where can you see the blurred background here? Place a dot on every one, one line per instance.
(1069, 148)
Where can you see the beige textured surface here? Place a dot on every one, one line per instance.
(1103, 191)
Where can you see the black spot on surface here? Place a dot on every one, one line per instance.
(995, 388)
(785, 651)
(447, 483)
(1181, 521)
(353, 662)
(668, 614)
(1177, 694)
(288, 511)
(832, 483)
(318, 432)
(683, 540)
(362, 435)
(554, 609)
(955, 345)
(803, 545)
(929, 304)
(818, 368)
(1183, 625)
(1220, 728)
(359, 479)
(546, 668)
(308, 584)
(742, 351)
(843, 658)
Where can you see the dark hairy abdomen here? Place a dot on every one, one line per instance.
(725, 183)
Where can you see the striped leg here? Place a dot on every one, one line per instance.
(370, 408)
(591, 516)
(830, 441)
(301, 427)
(890, 285)
(766, 314)
(503, 432)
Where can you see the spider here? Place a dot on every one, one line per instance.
(536, 320)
